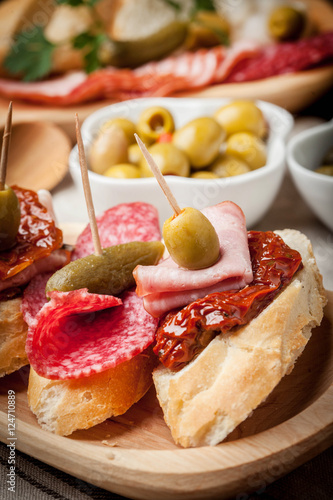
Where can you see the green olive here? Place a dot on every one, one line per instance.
(169, 159)
(200, 139)
(325, 169)
(286, 23)
(154, 122)
(204, 174)
(123, 171)
(125, 125)
(191, 239)
(134, 154)
(10, 216)
(227, 165)
(248, 148)
(109, 148)
(241, 116)
(110, 273)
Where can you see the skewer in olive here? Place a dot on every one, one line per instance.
(10, 213)
(189, 236)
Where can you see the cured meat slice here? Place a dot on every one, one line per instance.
(34, 297)
(121, 224)
(77, 334)
(287, 57)
(53, 262)
(166, 285)
(244, 61)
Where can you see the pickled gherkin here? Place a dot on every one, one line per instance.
(108, 274)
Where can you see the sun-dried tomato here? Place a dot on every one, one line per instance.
(37, 236)
(183, 334)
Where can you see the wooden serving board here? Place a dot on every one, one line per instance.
(134, 454)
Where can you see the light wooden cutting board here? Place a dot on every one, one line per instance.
(134, 455)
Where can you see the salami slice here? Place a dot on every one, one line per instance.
(121, 224)
(282, 58)
(77, 334)
(34, 297)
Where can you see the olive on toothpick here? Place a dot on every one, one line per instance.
(189, 236)
(10, 212)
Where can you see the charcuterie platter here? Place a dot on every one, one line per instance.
(293, 90)
(134, 455)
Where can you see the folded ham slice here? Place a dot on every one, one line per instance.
(167, 286)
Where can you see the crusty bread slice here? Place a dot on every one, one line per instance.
(63, 406)
(13, 335)
(206, 400)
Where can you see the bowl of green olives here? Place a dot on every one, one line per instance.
(310, 161)
(209, 150)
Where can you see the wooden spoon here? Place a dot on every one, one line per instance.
(38, 157)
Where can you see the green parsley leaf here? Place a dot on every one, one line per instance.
(31, 55)
(92, 43)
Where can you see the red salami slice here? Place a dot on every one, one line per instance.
(34, 297)
(121, 224)
(77, 334)
(284, 58)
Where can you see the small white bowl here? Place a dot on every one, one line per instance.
(254, 192)
(304, 153)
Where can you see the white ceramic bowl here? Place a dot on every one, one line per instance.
(304, 153)
(254, 192)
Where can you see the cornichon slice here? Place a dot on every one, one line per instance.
(110, 273)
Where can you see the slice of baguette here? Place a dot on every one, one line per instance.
(63, 406)
(13, 335)
(206, 400)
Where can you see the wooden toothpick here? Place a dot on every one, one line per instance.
(158, 175)
(87, 190)
(5, 147)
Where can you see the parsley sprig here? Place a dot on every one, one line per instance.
(30, 55)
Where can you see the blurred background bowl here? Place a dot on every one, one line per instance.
(305, 153)
(254, 192)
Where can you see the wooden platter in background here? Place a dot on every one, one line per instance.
(134, 454)
(293, 91)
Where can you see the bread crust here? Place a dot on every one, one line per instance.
(219, 389)
(63, 406)
(13, 335)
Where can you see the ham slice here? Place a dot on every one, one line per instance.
(188, 70)
(56, 260)
(244, 61)
(167, 286)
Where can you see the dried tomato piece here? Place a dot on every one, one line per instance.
(37, 236)
(183, 334)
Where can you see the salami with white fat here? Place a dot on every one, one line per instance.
(77, 334)
(121, 224)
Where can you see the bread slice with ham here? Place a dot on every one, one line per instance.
(216, 391)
